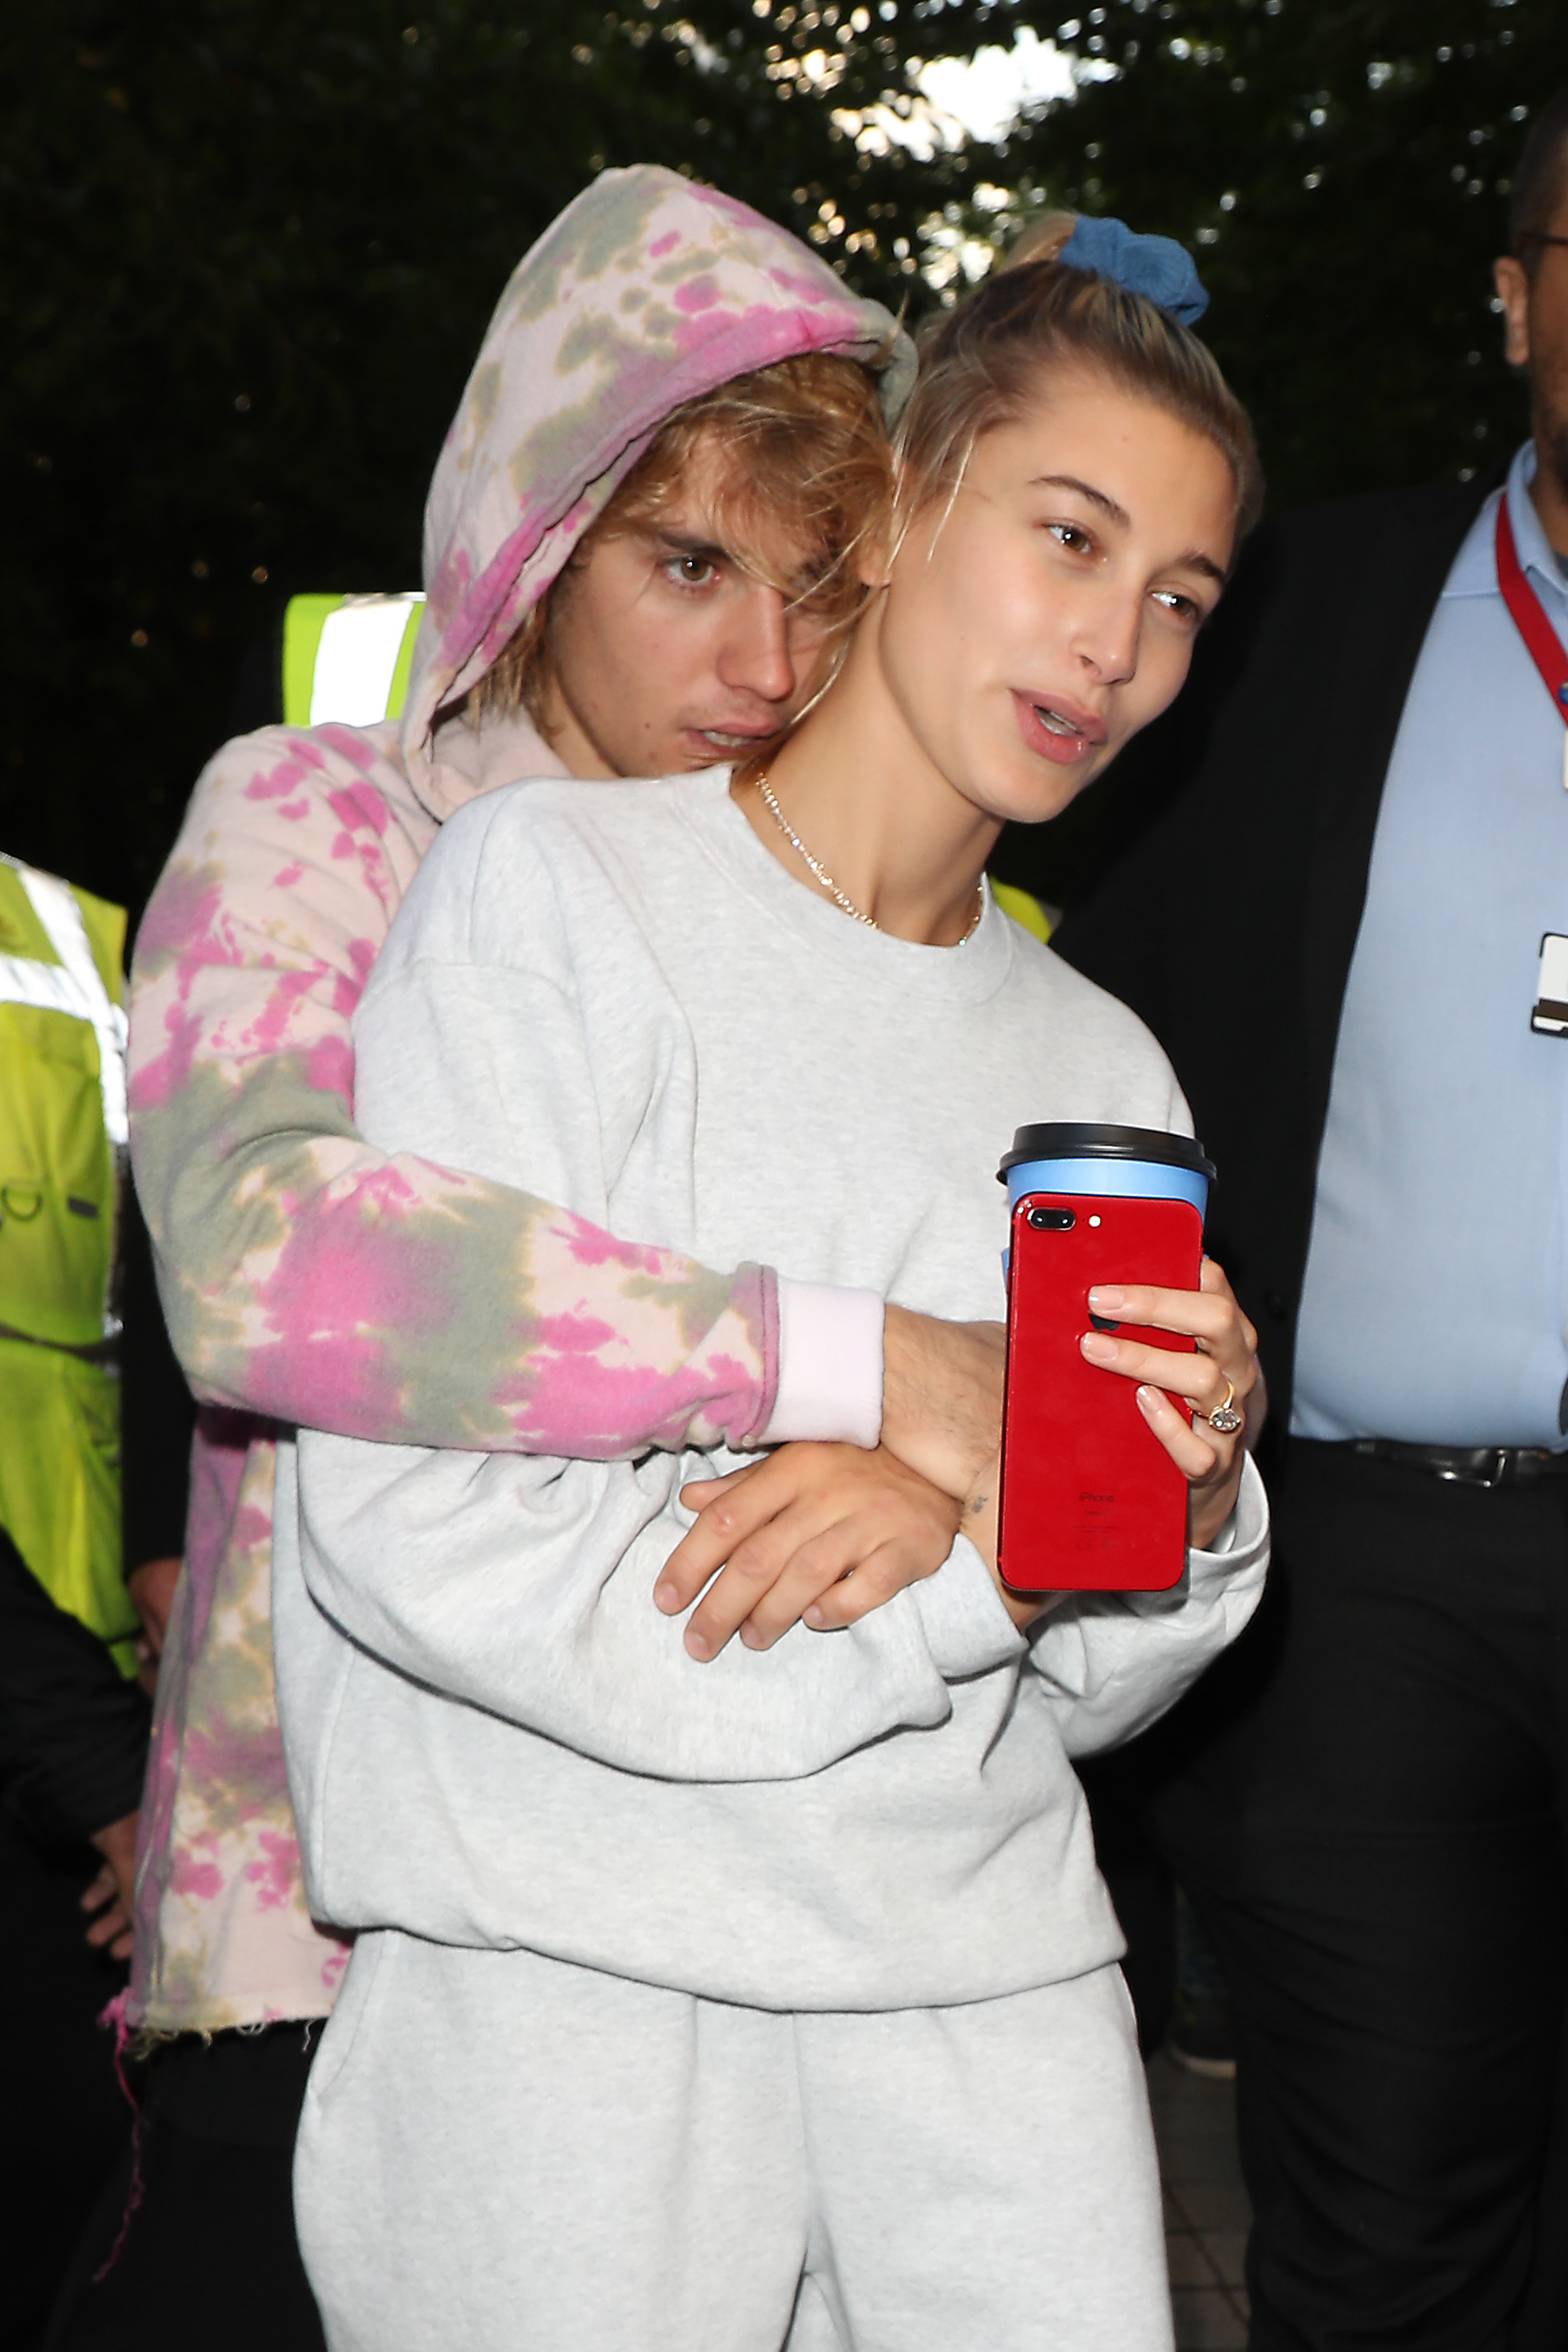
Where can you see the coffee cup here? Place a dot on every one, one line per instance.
(1080, 1156)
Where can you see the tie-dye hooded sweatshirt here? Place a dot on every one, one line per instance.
(308, 1278)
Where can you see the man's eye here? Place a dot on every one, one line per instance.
(690, 570)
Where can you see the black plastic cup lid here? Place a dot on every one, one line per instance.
(1084, 1140)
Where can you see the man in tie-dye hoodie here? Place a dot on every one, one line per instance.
(308, 1277)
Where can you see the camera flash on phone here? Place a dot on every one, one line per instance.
(1094, 1221)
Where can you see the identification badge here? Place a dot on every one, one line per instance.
(1550, 1017)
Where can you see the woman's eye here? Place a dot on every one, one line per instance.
(1072, 536)
(690, 570)
(1185, 608)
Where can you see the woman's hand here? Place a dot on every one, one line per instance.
(1208, 1459)
(824, 1533)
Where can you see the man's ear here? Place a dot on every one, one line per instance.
(1514, 292)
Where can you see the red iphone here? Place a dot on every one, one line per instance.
(1091, 1500)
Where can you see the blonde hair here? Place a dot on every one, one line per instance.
(981, 362)
(808, 466)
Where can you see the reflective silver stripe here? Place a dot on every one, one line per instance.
(356, 659)
(72, 986)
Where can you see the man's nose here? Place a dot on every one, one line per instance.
(756, 653)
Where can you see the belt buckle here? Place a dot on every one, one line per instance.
(1482, 1476)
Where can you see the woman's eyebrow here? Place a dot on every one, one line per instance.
(1107, 505)
(1194, 560)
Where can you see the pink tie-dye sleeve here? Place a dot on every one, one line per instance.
(312, 1279)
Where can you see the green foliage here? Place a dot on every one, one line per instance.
(1341, 171)
(247, 252)
(247, 249)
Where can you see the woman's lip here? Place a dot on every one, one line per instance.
(1065, 750)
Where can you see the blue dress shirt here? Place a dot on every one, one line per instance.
(1433, 1302)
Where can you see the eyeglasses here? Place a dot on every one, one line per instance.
(1537, 236)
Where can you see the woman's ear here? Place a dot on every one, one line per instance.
(873, 555)
(872, 565)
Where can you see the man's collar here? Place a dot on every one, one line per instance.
(1473, 571)
(1537, 557)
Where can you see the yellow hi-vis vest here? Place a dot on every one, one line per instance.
(62, 1135)
(348, 658)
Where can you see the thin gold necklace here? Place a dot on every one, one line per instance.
(821, 874)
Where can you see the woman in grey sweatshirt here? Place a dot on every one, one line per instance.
(770, 1998)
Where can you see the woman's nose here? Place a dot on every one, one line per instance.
(1108, 644)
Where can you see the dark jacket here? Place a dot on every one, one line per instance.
(73, 1731)
(1229, 922)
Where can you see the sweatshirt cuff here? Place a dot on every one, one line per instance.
(1237, 1559)
(967, 1629)
(1246, 1529)
(830, 1366)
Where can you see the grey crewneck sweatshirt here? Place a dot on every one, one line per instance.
(614, 996)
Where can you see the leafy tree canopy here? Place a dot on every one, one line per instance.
(247, 250)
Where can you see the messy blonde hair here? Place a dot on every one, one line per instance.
(983, 361)
(809, 467)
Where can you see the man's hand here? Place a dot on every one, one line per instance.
(110, 1893)
(978, 1522)
(152, 1590)
(824, 1533)
(941, 1396)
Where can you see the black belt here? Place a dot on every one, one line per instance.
(1467, 1465)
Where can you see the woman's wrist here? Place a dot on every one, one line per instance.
(1210, 1507)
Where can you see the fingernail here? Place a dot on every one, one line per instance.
(751, 1638)
(1105, 1298)
(812, 1616)
(666, 1596)
(1098, 1348)
(697, 1644)
(1151, 1398)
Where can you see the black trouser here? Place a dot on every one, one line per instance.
(1366, 1806)
(209, 2255)
(65, 2117)
(1140, 1885)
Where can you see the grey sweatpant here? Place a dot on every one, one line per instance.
(506, 2153)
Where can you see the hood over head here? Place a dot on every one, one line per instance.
(646, 292)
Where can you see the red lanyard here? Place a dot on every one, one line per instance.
(1529, 619)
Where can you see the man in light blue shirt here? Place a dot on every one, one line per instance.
(1365, 778)
(1434, 1305)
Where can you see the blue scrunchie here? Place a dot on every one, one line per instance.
(1155, 266)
